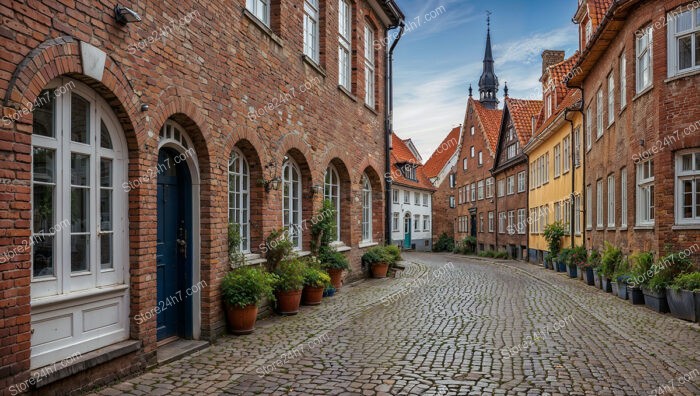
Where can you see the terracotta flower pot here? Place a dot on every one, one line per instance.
(312, 295)
(241, 320)
(288, 302)
(379, 270)
(336, 277)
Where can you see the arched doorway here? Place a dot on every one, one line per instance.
(178, 244)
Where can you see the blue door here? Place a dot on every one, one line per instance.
(407, 232)
(173, 248)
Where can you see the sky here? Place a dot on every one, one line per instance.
(442, 51)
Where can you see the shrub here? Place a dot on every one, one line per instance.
(376, 255)
(324, 230)
(622, 271)
(612, 257)
(314, 277)
(640, 265)
(565, 256)
(444, 243)
(236, 258)
(669, 268)
(579, 257)
(290, 273)
(494, 254)
(594, 259)
(247, 285)
(278, 247)
(466, 245)
(333, 259)
(553, 233)
(690, 281)
(394, 252)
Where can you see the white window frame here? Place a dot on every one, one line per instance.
(510, 185)
(645, 194)
(684, 176)
(395, 195)
(557, 159)
(599, 204)
(501, 188)
(416, 198)
(465, 163)
(472, 151)
(480, 186)
(501, 222)
(489, 187)
(332, 192)
(577, 147)
(481, 158)
(589, 207)
(611, 98)
(566, 154)
(416, 223)
(674, 37)
(599, 115)
(589, 128)
(511, 222)
(522, 218)
(395, 222)
(473, 196)
(522, 184)
(345, 44)
(260, 9)
(311, 30)
(611, 201)
(370, 72)
(623, 198)
(577, 214)
(644, 44)
(366, 209)
(491, 221)
(406, 197)
(292, 203)
(623, 81)
(239, 171)
(426, 223)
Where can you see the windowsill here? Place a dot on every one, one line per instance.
(86, 361)
(680, 75)
(370, 108)
(303, 253)
(644, 227)
(98, 291)
(622, 110)
(623, 228)
(314, 65)
(348, 93)
(262, 26)
(643, 92)
(340, 246)
(686, 227)
(610, 124)
(364, 245)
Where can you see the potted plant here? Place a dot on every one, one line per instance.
(329, 291)
(684, 297)
(665, 271)
(277, 247)
(620, 279)
(289, 285)
(334, 263)
(553, 233)
(315, 283)
(242, 289)
(235, 256)
(378, 260)
(547, 261)
(594, 263)
(641, 264)
(565, 258)
(579, 258)
(609, 261)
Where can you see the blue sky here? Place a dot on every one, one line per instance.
(437, 59)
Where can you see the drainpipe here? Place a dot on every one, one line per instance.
(388, 126)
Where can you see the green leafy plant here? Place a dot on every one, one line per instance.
(565, 256)
(553, 233)
(611, 258)
(278, 247)
(315, 277)
(236, 257)
(394, 252)
(594, 260)
(640, 268)
(668, 268)
(290, 274)
(579, 257)
(247, 286)
(444, 243)
(622, 271)
(689, 281)
(323, 232)
(376, 255)
(494, 254)
(332, 259)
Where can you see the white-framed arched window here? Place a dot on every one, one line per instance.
(239, 196)
(366, 209)
(331, 192)
(291, 205)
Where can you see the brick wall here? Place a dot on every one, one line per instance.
(443, 215)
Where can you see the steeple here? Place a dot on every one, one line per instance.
(488, 83)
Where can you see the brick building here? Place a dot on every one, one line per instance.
(510, 171)
(475, 185)
(639, 75)
(201, 114)
(441, 168)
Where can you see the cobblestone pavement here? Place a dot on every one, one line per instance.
(473, 327)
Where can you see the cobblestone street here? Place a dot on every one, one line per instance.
(471, 327)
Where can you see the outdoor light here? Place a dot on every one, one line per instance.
(316, 189)
(125, 15)
(274, 184)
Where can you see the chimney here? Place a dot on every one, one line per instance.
(551, 57)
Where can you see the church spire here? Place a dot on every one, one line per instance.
(488, 83)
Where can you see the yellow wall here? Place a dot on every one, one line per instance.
(557, 189)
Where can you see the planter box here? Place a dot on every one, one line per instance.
(597, 280)
(561, 267)
(622, 290)
(607, 284)
(572, 271)
(683, 304)
(655, 300)
(580, 272)
(635, 295)
(588, 276)
(615, 287)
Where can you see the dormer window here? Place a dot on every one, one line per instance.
(548, 105)
(589, 30)
(409, 172)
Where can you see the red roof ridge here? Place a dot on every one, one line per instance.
(443, 153)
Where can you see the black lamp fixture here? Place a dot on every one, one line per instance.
(315, 189)
(125, 15)
(274, 182)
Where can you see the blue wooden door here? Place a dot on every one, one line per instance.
(172, 246)
(407, 232)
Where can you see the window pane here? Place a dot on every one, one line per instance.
(697, 49)
(44, 114)
(105, 172)
(105, 139)
(80, 208)
(106, 245)
(80, 119)
(79, 253)
(43, 208)
(687, 199)
(43, 165)
(685, 52)
(106, 210)
(80, 170)
(684, 21)
(43, 256)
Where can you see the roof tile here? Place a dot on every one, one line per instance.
(521, 112)
(401, 154)
(443, 153)
(490, 120)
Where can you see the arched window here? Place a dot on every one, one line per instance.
(79, 236)
(291, 207)
(331, 192)
(239, 197)
(366, 209)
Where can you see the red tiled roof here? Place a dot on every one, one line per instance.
(572, 96)
(401, 154)
(521, 112)
(561, 73)
(490, 121)
(597, 10)
(443, 153)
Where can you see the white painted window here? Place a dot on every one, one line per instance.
(521, 221)
(548, 105)
(557, 159)
(481, 222)
(395, 222)
(453, 180)
(452, 201)
(577, 215)
(557, 211)
(471, 151)
(599, 115)
(566, 157)
(599, 204)
(501, 188)
(345, 40)
(291, 207)
(511, 222)
(395, 194)
(466, 193)
(688, 187)
(521, 181)
(416, 198)
(589, 207)
(683, 41)
(416, 223)
(645, 193)
(589, 128)
(464, 163)
(611, 98)
(501, 222)
(480, 185)
(426, 223)
(366, 209)
(511, 185)
(426, 199)
(623, 81)
(577, 147)
(473, 188)
(406, 197)
(481, 158)
(491, 221)
(489, 187)
(589, 30)
(261, 9)
(623, 198)
(370, 73)
(611, 201)
(311, 34)
(331, 192)
(471, 132)
(644, 45)
(239, 197)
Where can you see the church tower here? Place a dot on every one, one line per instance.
(488, 83)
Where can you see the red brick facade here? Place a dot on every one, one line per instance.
(208, 76)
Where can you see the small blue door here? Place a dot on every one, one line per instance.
(173, 255)
(407, 232)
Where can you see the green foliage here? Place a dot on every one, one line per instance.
(444, 243)
(640, 265)
(247, 285)
(323, 232)
(668, 268)
(394, 252)
(466, 246)
(579, 257)
(622, 271)
(690, 281)
(290, 273)
(278, 247)
(611, 259)
(315, 277)
(594, 259)
(332, 259)
(236, 258)
(376, 255)
(553, 233)
(494, 254)
(565, 256)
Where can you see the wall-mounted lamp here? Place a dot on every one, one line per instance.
(316, 189)
(125, 15)
(274, 181)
